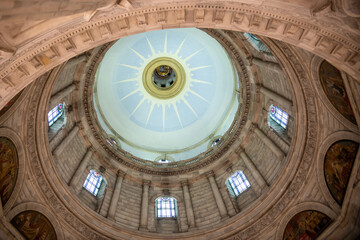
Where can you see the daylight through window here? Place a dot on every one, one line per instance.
(279, 116)
(166, 207)
(238, 183)
(93, 182)
(55, 113)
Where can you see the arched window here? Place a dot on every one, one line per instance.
(166, 207)
(237, 183)
(93, 182)
(55, 113)
(256, 43)
(215, 142)
(278, 116)
(164, 160)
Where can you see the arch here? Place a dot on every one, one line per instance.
(178, 220)
(306, 224)
(14, 138)
(324, 147)
(157, 195)
(164, 159)
(333, 86)
(315, 66)
(107, 177)
(305, 206)
(339, 49)
(36, 207)
(338, 163)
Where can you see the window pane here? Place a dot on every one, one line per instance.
(279, 116)
(165, 207)
(93, 182)
(238, 183)
(54, 114)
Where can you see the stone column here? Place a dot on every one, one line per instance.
(144, 206)
(219, 201)
(188, 205)
(115, 195)
(57, 97)
(276, 97)
(74, 182)
(268, 65)
(254, 171)
(268, 142)
(60, 148)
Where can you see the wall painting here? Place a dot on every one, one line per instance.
(338, 163)
(334, 88)
(33, 226)
(306, 225)
(9, 166)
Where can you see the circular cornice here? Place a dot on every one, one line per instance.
(171, 91)
(282, 194)
(184, 166)
(311, 36)
(179, 119)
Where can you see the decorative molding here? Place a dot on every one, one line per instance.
(48, 184)
(174, 168)
(307, 158)
(339, 48)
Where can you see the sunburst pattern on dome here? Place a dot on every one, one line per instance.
(171, 111)
(169, 104)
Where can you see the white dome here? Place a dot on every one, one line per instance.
(147, 125)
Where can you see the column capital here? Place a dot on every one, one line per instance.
(239, 150)
(230, 169)
(91, 149)
(146, 182)
(79, 125)
(210, 174)
(252, 127)
(120, 173)
(184, 183)
(258, 86)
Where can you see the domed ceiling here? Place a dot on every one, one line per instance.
(166, 92)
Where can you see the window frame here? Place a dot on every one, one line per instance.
(237, 183)
(279, 116)
(52, 118)
(169, 210)
(93, 182)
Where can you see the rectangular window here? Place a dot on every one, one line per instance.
(165, 207)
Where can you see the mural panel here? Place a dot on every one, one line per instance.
(338, 163)
(33, 226)
(306, 225)
(334, 88)
(9, 166)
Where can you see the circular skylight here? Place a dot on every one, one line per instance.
(166, 92)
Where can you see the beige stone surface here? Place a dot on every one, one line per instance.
(47, 46)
